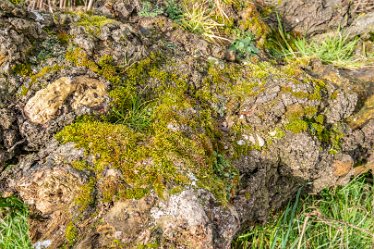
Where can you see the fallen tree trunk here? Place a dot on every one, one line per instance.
(219, 145)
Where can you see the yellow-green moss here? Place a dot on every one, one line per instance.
(109, 188)
(329, 136)
(22, 70)
(334, 95)
(320, 119)
(252, 21)
(297, 126)
(294, 67)
(108, 70)
(24, 90)
(309, 121)
(182, 136)
(104, 66)
(17, 2)
(117, 243)
(71, 233)
(336, 133)
(85, 197)
(298, 111)
(149, 245)
(160, 157)
(279, 133)
(80, 165)
(79, 58)
(43, 71)
(93, 23)
(315, 95)
(147, 162)
(63, 37)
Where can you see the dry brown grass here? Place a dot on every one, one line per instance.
(53, 5)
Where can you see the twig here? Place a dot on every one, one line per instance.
(303, 232)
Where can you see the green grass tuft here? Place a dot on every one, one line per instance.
(174, 10)
(13, 224)
(339, 50)
(136, 115)
(337, 218)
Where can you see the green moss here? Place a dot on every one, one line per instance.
(24, 90)
(297, 126)
(298, 111)
(22, 70)
(80, 165)
(279, 133)
(93, 23)
(252, 21)
(109, 188)
(79, 58)
(158, 157)
(105, 65)
(108, 70)
(71, 233)
(137, 193)
(307, 119)
(335, 137)
(294, 67)
(147, 162)
(44, 71)
(63, 37)
(294, 112)
(334, 95)
(17, 2)
(116, 143)
(310, 111)
(320, 119)
(220, 81)
(85, 198)
(181, 137)
(315, 95)
(329, 135)
(319, 131)
(225, 87)
(300, 94)
(176, 190)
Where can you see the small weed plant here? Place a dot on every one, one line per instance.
(148, 10)
(245, 45)
(223, 169)
(338, 218)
